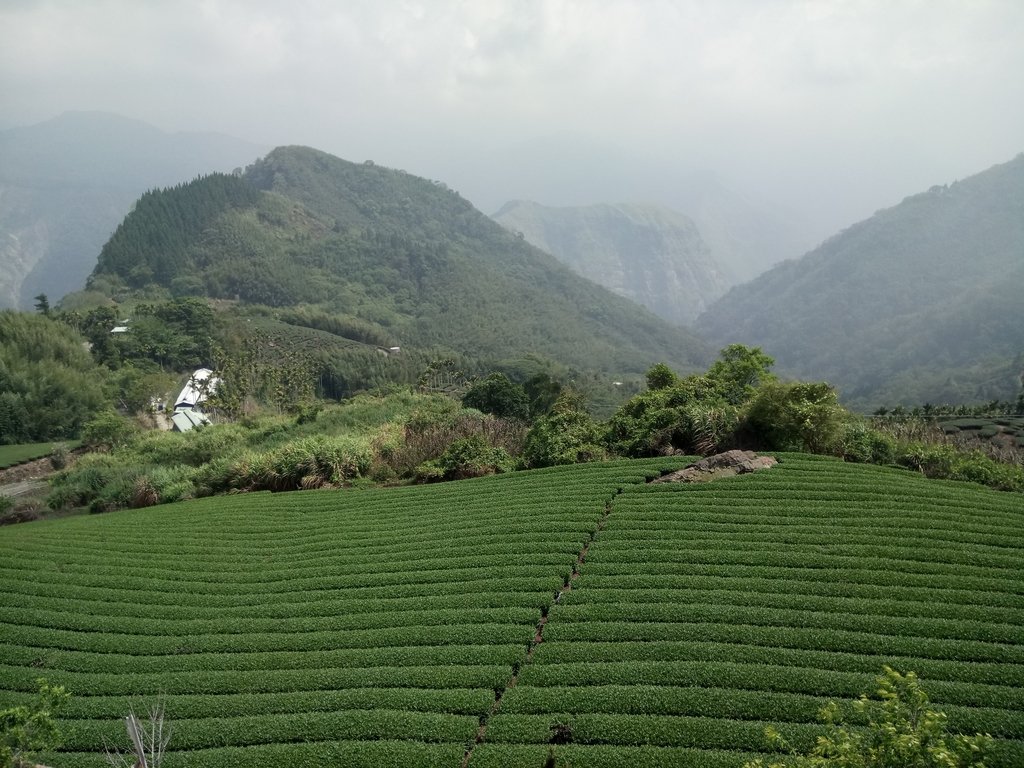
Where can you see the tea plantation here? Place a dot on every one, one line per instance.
(398, 627)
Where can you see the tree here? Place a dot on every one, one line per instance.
(740, 370)
(798, 416)
(567, 435)
(901, 730)
(498, 395)
(542, 391)
(660, 376)
(43, 304)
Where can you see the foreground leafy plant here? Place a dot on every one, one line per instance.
(29, 728)
(902, 730)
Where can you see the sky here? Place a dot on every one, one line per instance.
(829, 110)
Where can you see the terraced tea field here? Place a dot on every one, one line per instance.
(397, 627)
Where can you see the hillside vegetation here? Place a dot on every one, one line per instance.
(405, 256)
(378, 627)
(919, 303)
(647, 253)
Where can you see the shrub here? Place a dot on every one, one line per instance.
(312, 462)
(30, 728)
(108, 431)
(465, 458)
(660, 376)
(865, 445)
(680, 417)
(427, 435)
(568, 435)
(950, 462)
(59, 456)
(900, 729)
(797, 416)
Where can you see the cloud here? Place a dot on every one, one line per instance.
(866, 97)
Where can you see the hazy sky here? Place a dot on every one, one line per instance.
(834, 108)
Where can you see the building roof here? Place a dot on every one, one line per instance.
(199, 385)
(186, 419)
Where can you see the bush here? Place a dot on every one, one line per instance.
(427, 435)
(900, 729)
(98, 481)
(465, 458)
(797, 416)
(312, 462)
(30, 728)
(108, 431)
(949, 462)
(865, 445)
(59, 456)
(566, 436)
(691, 416)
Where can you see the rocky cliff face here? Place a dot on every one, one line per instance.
(646, 253)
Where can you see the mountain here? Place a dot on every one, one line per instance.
(647, 253)
(921, 302)
(66, 183)
(404, 257)
(746, 234)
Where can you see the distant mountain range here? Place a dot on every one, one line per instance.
(745, 235)
(921, 302)
(647, 253)
(404, 257)
(65, 184)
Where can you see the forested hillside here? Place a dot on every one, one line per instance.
(647, 253)
(66, 183)
(407, 259)
(921, 302)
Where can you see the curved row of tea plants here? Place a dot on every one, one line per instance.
(706, 613)
(358, 627)
(376, 627)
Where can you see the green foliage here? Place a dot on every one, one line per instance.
(151, 244)
(6, 504)
(257, 370)
(49, 386)
(690, 416)
(59, 456)
(567, 435)
(696, 414)
(739, 371)
(466, 457)
(498, 396)
(919, 303)
(660, 376)
(953, 463)
(797, 416)
(109, 430)
(30, 728)
(900, 729)
(392, 257)
(862, 443)
(543, 392)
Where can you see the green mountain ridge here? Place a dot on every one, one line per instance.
(647, 253)
(921, 302)
(67, 182)
(403, 254)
